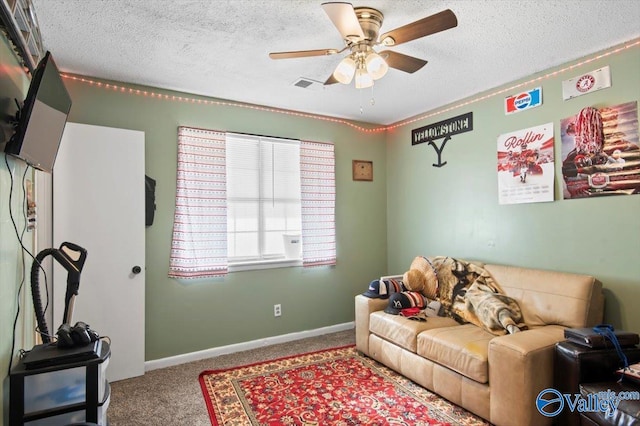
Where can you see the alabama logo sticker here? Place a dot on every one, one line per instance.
(522, 101)
(586, 83)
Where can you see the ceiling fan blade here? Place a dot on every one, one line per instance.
(302, 53)
(402, 62)
(331, 80)
(344, 18)
(423, 27)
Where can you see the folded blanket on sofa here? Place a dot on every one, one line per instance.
(469, 294)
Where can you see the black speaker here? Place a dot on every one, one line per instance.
(150, 200)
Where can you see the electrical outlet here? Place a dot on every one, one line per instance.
(277, 310)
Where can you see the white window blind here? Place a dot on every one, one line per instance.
(263, 196)
(199, 243)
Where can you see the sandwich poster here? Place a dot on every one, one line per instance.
(526, 165)
(601, 152)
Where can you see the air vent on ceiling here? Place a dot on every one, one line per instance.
(307, 83)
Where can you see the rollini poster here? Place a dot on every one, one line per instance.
(525, 165)
(600, 152)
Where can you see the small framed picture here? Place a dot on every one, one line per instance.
(362, 170)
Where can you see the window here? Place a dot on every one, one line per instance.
(263, 196)
(237, 195)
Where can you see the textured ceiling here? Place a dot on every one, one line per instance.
(220, 48)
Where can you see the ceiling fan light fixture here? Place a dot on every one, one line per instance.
(345, 70)
(376, 66)
(363, 79)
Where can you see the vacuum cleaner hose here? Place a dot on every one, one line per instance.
(35, 293)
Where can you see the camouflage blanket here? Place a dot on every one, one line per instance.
(469, 294)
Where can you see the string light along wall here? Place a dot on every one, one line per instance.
(207, 102)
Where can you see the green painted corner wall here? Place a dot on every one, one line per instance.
(454, 210)
(183, 317)
(15, 264)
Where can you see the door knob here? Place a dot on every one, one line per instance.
(136, 269)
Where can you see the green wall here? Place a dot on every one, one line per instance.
(183, 317)
(14, 264)
(454, 210)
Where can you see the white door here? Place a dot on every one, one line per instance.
(98, 204)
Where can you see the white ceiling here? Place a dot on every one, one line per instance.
(220, 48)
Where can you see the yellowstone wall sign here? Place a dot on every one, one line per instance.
(442, 130)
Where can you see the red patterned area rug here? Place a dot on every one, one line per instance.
(333, 387)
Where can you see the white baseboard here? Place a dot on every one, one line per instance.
(237, 347)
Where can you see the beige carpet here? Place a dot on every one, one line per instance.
(172, 396)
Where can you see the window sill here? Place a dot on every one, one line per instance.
(264, 264)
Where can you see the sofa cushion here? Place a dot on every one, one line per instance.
(463, 348)
(403, 331)
(549, 297)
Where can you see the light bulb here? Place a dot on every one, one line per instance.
(376, 66)
(345, 70)
(363, 79)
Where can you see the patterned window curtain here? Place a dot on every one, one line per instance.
(318, 179)
(199, 243)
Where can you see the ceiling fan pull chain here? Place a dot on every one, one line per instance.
(373, 99)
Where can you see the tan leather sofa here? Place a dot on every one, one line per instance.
(495, 377)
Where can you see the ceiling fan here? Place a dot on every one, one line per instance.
(359, 28)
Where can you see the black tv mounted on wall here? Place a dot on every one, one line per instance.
(40, 121)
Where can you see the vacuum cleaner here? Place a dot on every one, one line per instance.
(71, 257)
(74, 343)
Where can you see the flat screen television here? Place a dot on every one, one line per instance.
(42, 118)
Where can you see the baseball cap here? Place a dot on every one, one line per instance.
(404, 300)
(382, 288)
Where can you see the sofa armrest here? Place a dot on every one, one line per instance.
(364, 307)
(595, 314)
(520, 366)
